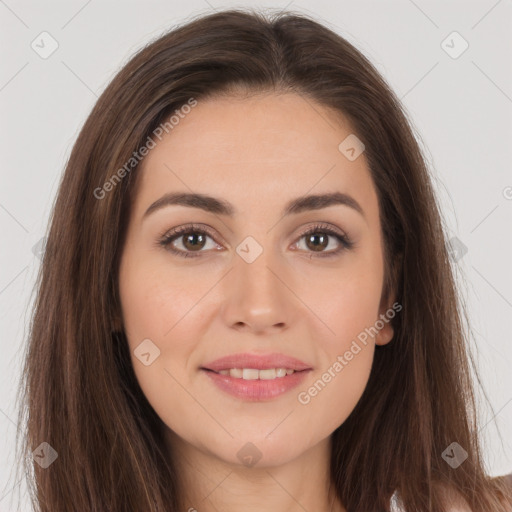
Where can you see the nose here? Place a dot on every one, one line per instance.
(259, 297)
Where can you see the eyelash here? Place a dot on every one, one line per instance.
(167, 238)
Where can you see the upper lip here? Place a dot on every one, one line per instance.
(256, 361)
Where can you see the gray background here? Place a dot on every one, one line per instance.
(461, 109)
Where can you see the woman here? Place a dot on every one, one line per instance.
(246, 301)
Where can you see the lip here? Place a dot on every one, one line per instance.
(256, 390)
(257, 361)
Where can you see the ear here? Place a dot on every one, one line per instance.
(386, 310)
(385, 335)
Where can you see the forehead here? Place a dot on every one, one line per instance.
(271, 146)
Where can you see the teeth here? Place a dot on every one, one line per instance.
(268, 374)
(250, 374)
(254, 374)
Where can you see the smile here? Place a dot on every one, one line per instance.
(256, 377)
(254, 373)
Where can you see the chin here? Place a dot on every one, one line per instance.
(258, 452)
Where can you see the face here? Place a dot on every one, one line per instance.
(247, 281)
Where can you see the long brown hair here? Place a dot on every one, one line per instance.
(79, 391)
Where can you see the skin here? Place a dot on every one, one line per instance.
(258, 153)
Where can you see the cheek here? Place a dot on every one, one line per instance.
(156, 307)
(333, 391)
(347, 303)
(348, 307)
(167, 302)
(155, 296)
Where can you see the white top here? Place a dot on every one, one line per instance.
(394, 504)
(394, 507)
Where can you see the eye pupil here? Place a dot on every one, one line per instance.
(190, 240)
(323, 244)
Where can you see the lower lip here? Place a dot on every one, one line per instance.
(257, 389)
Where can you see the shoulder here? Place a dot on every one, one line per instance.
(452, 499)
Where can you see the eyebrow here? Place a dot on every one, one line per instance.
(221, 207)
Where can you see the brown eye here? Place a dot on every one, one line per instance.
(187, 240)
(193, 241)
(317, 242)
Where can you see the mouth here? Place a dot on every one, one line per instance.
(254, 377)
(250, 363)
(255, 373)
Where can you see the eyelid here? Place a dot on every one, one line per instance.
(319, 225)
(192, 227)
